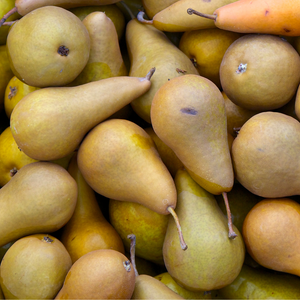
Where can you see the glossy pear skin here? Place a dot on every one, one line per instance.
(41, 197)
(99, 274)
(259, 283)
(45, 123)
(212, 260)
(88, 229)
(265, 155)
(23, 273)
(188, 115)
(271, 234)
(118, 159)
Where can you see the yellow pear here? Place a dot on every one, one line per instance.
(158, 52)
(45, 123)
(99, 274)
(271, 234)
(41, 197)
(105, 59)
(34, 267)
(152, 7)
(87, 230)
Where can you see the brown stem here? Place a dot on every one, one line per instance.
(8, 14)
(9, 23)
(174, 215)
(132, 252)
(191, 11)
(231, 233)
(140, 17)
(150, 73)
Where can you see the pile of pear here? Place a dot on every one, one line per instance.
(149, 150)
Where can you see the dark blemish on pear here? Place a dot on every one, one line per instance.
(286, 30)
(127, 265)
(266, 12)
(47, 239)
(12, 92)
(261, 150)
(13, 171)
(206, 0)
(63, 51)
(189, 111)
(241, 68)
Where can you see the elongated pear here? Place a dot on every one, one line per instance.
(149, 47)
(118, 159)
(212, 260)
(45, 123)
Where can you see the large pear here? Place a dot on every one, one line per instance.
(188, 114)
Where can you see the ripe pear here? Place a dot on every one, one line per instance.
(88, 229)
(52, 59)
(160, 52)
(260, 72)
(118, 159)
(271, 234)
(99, 274)
(34, 267)
(45, 123)
(212, 260)
(41, 197)
(152, 7)
(253, 283)
(105, 59)
(148, 226)
(265, 155)
(146, 286)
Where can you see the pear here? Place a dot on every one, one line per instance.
(265, 155)
(146, 286)
(152, 7)
(99, 274)
(253, 283)
(118, 159)
(160, 52)
(105, 59)
(45, 123)
(212, 260)
(271, 234)
(88, 229)
(53, 59)
(188, 115)
(148, 226)
(34, 267)
(41, 197)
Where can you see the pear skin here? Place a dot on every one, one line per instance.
(118, 159)
(99, 274)
(152, 7)
(105, 59)
(253, 283)
(188, 115)
(212, 260)
(41, 197)
(265, 155)
(271, 234)
(34, 267)
(45, 123)
(160, 52)
(88, 229)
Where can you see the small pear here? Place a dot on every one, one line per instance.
(99, 274)
(212, 260)
(271, 234)
(45, 123)
(265, 155)
(146, 286)
(88, 229)
(34, 267)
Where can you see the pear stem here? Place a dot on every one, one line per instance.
(191, 11)
(9, 23)
(231, 234)
(150, 73)
(8, 14)
(132, 16)
(140, 17)
(174, 215)
(132, 252)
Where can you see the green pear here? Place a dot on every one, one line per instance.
(148, 47)
(212, 260)
(148, 226)
(105, 59)
(253, 283)
(265, 155)
(48, 47)
(45, 123)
